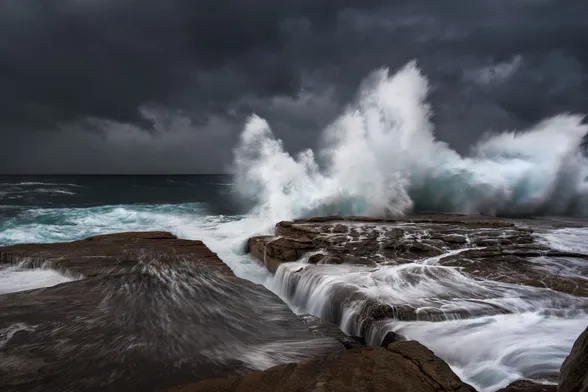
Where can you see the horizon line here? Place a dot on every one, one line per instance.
(114, 174)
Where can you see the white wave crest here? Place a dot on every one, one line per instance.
(32, 183)
(381, 158)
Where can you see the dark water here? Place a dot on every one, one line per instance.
(66, 208)
(18, 193)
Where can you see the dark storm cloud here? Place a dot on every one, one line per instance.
(67, 59)
(168, 83)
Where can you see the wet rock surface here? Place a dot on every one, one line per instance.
(402, 366)
(112, 254)
(485, 247)
(528, 386)
(574, 371)
(373, 277)
(321, 328)
(144, 311)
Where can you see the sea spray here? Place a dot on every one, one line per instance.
(380, 157)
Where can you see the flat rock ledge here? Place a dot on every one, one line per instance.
(142, 311)
(370, 242)
(112, 254)
(485, 248)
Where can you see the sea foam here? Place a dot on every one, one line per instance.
(381, 157)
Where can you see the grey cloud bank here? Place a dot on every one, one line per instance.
(128, 86)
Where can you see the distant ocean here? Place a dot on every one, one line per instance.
(65, 208)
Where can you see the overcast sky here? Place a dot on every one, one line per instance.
(164, 86)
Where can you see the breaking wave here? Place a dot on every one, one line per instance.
(381, 158)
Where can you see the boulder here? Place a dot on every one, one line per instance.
(390, 338)
(402, 367)
(574, 370)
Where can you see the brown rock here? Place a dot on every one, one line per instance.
(506, 252)
(321, 328)
(455, 239)
(485, 248)
(517, 268)
(574, 370)
(329, 259)
(316, 258)
(403, 367)
(528, 386)
(112, 253)
(390, 338)
(145, 312)
(273, 251)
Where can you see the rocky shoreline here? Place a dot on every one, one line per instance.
(478, 258)
(148, 311)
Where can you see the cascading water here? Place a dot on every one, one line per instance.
(491, 333)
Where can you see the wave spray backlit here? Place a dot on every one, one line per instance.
(381, 158)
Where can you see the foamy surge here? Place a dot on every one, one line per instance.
(381, 157)
(491, 333)
(15, 278)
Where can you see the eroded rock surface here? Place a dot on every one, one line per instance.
(146, 311)
(428, 267)
(475, 240)
(401, 367)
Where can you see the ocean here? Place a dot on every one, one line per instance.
(379, 158)
(65, 208)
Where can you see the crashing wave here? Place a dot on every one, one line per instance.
(381, 157)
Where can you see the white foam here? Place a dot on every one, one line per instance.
(225, 235)
(380, 157)
(568, 239)
(491, 352)
(486, 351)
(14, 279)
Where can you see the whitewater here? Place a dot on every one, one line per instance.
(379, 158)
